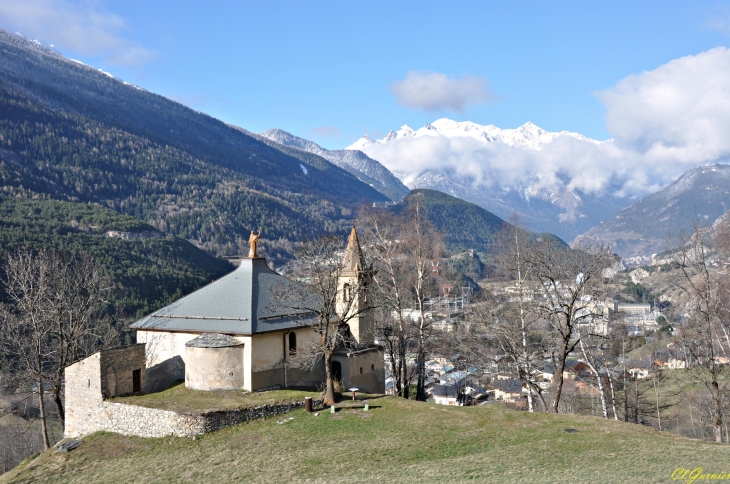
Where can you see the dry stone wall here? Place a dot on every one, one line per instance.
(152, 422)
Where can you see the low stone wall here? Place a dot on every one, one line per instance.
(138, 421)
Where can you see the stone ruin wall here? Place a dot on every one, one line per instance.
(105, 374)
(138, 421)
(108, 373)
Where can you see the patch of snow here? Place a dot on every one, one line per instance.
(106, 73)
(304, 169)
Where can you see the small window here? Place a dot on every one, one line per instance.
(346, 291)
(361, 370)
(88, 383)
(372, 367)
(292, 343)
(136, 381)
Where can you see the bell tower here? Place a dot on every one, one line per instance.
(354, 287)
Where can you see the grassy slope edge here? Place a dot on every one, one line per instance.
(397, 441)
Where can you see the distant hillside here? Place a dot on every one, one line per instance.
(354, 161)
(71, 132)
(641, 229)
(151, 269)
(466, 226)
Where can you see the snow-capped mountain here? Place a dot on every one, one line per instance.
(528, 135)
(502, 170)
(354, 161)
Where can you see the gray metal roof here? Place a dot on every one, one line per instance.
(214, 340)
(251, 299)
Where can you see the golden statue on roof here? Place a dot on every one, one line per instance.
(253, 240)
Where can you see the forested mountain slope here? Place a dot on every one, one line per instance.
(70, 132)
(464, 225)
(149, 268)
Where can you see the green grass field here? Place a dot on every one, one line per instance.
(396, 441)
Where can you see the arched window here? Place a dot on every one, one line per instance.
(292, 343)
(346, 292)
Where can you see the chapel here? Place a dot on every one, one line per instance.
(235, 334)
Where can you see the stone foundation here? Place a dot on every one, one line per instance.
(138, 421)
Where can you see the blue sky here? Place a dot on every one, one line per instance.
(326, 70)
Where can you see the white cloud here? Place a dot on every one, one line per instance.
(664, 122)
(432, 91)
(83, 27)
(678, 113)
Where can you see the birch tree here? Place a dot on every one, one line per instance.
(422, 247)
(514, 321)
(569, 283)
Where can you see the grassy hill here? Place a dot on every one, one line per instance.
(150, 272)
(397, 441)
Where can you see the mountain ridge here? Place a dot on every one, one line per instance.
(528, 135)
(356, 162)
(71, 132)
(700, 195)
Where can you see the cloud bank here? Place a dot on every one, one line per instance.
(81, 27)
(663, 122)
(432, 91)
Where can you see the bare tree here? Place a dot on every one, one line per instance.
(569, 286)
(75, 304)
(53, 319)
(393, 327)
(26, 330)
(422, 247)
(514, 321)
(334, 304)
(706, 311)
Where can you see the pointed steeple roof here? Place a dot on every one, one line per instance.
(353, 260)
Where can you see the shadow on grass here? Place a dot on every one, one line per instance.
(351, 407)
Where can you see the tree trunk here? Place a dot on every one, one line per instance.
(718, 410)
(421, 383)
(594, 370)
(636, 401)
(59, 405)
(613, 395)
(656, 396)
(626, 391)
(404, 366)
(329, 393)
(559, 368)
(421, 371)
(42, 410)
